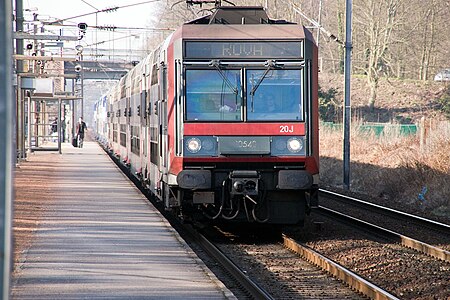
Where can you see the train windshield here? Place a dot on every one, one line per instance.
(213, 95)
(270, 95)
(274, 95)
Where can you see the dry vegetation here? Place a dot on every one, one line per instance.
(393, 169)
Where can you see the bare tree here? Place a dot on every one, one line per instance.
(377, 20)
(428, 36)
(434, 32)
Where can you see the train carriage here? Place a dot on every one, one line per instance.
(100, 117)
(222, 119)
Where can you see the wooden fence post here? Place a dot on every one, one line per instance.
(422, 134)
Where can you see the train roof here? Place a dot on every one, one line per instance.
(228, 22)
(238, 15)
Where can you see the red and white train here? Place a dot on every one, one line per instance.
(221, 120)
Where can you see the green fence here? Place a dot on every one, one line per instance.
(377, 128)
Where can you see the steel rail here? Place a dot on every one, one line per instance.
(353, 280)
(387, 211)
(392, 235)
(254, 290)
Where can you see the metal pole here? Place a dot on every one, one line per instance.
(7, 148)
(58, 126)
(30, 123)
(347, 75)
(22, 124)
(82, 85)
(73, 109)
(19, 28)
(36, 117)
(19, 93)
(19, 118)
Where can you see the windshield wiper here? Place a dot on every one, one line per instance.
(216, 64)
(271, 64)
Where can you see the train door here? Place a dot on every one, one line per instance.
(163, 155)
(147, 122)
(163, 139)
(114, 126)
(111, 115)
(154, 176)
(144, 125)
(128, 125)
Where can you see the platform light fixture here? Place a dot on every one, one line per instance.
(79, 49)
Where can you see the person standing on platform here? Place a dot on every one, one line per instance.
(81, 129)
(54, 125)
(63, 130)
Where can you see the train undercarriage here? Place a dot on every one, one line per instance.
(274, 197)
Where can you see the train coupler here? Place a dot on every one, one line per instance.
(244, 182)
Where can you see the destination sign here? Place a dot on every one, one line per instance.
(212, 50)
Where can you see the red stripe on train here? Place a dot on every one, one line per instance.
(225, 129)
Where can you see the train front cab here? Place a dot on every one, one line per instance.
(247, 146)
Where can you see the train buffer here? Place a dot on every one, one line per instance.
(97, 236)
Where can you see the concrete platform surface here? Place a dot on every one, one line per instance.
(99, 238)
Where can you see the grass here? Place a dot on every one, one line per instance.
(411, 173)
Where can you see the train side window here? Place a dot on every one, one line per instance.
(115, 134)
(135, 140)
(123, 135)
(123, 86)
(154, 78)
(163, 82)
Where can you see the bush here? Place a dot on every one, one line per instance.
(327, 104)
(444, 102)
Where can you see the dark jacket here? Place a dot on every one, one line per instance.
(81, 128)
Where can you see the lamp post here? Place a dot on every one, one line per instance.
(79, 68)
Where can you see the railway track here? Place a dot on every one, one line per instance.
(247, 286)
(407, 267)
(388, 234)
(405, 227)
(347, 276)
(282, 272)
(431, 224)
(261, 257)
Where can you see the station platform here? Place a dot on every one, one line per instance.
(93, 235)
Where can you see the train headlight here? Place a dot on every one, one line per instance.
(287, 145)
(200, 146)
(294, 145)
(194, 145)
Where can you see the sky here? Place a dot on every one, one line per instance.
(121, 42)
